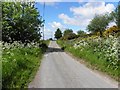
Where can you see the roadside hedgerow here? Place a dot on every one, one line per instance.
(20, 63)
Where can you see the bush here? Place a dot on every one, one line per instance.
(69, 36)
(20, 63)
(112, 30)
(101, 53)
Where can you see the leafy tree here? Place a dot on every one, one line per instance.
(58, 34)
(99, 23)
(20, 21)
(68, 34)
(118, 15)
(81, 33)
(67, 31)
(71, 36)
(115, 15)
(50, 39)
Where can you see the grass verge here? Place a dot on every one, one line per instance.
(93, 59)
(19, 65)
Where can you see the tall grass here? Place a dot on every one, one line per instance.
(19, 64)
(95, 60)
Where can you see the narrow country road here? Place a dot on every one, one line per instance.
(59, 70)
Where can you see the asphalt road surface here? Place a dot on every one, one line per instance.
(59, 70)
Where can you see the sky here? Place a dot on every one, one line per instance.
(72, 15)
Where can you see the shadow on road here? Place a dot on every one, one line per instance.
(51, 49)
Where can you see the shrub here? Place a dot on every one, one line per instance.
(112, 30)
(100, 52)
(20, 63)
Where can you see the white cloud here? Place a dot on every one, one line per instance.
(83, 14)
(56, 25)
(48, 33)
(111, 24)
(92, 8)
(51, 28)
(76, 20)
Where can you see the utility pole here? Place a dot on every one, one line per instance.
(43, 31)
(43, 19)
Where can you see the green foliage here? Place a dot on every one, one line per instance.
(68, 35)
(81, 33)
(95, 60)
(118, 15)
(99, 23)
(43, 44)
(50, 39)
(20, 63)
(108, 47)
(100, 53)
(67, 31)
(20, 22)
(111, 31)
(115, 15)
(58, 34)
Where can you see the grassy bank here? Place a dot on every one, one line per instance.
(93, 59)
(20, 63)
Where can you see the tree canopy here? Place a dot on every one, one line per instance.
(99, 23)
(68, 34)
(118, 15)
(115, 15)
(81, 33)
(67, 31)
(20, 21)
(58, 34)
